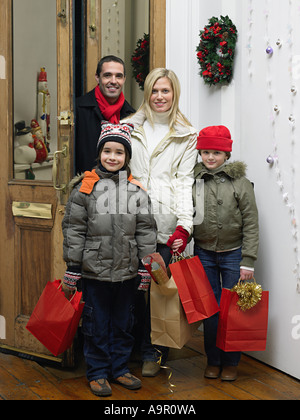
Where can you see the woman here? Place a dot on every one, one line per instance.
(163, 158)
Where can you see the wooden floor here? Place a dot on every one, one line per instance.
(22, 379)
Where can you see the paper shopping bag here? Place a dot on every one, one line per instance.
(242, 330)
(195, 291)
(169, 326)
(55, 319)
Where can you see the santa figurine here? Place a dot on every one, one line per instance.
(36, 130)
(38, 141)
(43, 106)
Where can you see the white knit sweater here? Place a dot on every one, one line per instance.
(155, 134)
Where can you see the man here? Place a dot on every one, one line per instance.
(105, 102)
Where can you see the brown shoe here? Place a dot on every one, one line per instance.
(128, 381)
(150, 368)
(212, 372)
(101, 388)
(229, 373)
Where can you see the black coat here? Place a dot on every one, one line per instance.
(88, 128)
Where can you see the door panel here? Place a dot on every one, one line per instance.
(33, 252)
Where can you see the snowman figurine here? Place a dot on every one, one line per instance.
(24, 151)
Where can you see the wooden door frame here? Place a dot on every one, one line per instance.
(12, 228)
(6, 167)
(157, 33)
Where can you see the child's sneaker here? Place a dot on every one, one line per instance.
(128, 381)
(101, 388)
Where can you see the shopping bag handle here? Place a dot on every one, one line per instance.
(70, 300)
(253, 278)
(177, 256)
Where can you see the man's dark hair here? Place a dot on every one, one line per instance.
(108, 59)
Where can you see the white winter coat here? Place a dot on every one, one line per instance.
(168, 175)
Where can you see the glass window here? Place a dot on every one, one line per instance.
(35, 88)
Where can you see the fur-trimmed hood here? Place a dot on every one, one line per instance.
(234, 170)
(75, 181)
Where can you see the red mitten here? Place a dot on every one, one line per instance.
(179, 233)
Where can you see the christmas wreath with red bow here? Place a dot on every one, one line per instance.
(216, 50)
(140, 60)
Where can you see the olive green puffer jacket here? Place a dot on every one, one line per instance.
(230, 212)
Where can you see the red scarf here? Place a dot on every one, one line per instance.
(111, 113)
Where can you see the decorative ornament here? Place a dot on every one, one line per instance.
(270, 160)
(294, 89)
(140, 60)
(292, 119)
(269, 50)
(276, 108)
(279, 43)
(216, 51)
(249, 294)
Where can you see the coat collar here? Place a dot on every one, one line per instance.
(234, 170)
(92, 177)
(89, 181)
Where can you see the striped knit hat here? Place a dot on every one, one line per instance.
(120, 133)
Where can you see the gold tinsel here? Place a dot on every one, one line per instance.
(249, 294)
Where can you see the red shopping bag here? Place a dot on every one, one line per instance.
(195, 291)
(242, 330)
(55, 319)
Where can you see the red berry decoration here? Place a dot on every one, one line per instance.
(216, 51)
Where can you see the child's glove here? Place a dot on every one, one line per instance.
(71, 277)
(145, 279)
(182, 234)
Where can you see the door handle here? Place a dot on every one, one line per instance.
(64, 154)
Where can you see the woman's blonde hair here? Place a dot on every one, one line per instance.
(175, 115)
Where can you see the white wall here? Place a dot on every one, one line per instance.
(247, 108)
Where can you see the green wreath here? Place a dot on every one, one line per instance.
(140, 60)
(216, 51)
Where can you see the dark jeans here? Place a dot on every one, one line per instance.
(107, 324)
(223, 271)
(142, 314)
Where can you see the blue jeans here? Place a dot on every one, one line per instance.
(107, 325)
(223, 271)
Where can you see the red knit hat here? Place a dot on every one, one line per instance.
(217, 137)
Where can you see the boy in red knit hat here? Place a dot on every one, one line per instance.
(227, 239)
